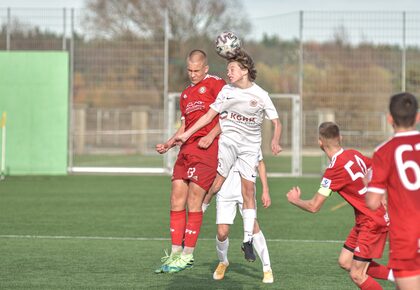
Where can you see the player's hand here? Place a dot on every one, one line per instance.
(204, 207)
(162, 148)
(293, 194)
(205, 142)
(275, 148)
(266, 199)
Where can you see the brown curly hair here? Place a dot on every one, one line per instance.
(245, 62)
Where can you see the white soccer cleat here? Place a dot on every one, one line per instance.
(219, 273)
(268, 277)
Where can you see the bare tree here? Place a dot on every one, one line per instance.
(187, 18)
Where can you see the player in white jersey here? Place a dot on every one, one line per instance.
(228, 199)
(242, 106)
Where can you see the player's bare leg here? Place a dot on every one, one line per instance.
(248, 215)
(358, 275)
(374, 270)
(345, 259)
(222, 246)
(261, 248)
(408, 283)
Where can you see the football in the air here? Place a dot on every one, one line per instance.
(227, 44)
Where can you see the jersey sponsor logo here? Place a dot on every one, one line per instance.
(194, 106)
(238, 118)
(357, 249)
(202, 90)
(253, 103)
(326, 183)
(223, 115)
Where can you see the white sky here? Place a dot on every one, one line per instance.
(262, 8)
(260, 12)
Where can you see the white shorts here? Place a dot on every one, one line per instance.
(229, 198)
(245, 159)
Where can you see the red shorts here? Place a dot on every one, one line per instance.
(405, 273)
(197, 165)
(405, 265)
(366, 245)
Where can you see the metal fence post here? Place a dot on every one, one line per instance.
(71, 97)
(64, 29)
(403, 64)
(8, 27)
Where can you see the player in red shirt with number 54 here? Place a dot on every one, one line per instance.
(367, 238)
(396, 171)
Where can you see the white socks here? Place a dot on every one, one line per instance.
(260, 246)
(248, 216)
(222, 250)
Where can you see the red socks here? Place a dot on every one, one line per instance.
(378, 271)
(370, 284)
(177, 226)
(192, 229)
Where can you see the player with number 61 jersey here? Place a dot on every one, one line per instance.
(397, 171)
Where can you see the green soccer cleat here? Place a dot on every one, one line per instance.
(181, 263)
(167, 259)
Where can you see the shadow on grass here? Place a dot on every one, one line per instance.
(239, 275)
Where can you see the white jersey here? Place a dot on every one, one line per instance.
(241, 113)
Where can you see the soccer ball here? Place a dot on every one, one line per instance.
(227, 44)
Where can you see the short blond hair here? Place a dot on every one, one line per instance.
(197, 55)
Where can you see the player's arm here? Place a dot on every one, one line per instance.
(206, 201)
(171, 142)
(311, 205)
(374, 200)
(203, 121)
(265, 197)
(207, 140)
(275, 142)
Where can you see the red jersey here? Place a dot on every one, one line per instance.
(345, 176)
(396, 170)
(195, 102)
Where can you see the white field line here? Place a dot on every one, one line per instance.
(147, 239)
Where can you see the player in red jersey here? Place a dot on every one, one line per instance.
(195, 167)
(396, 171)
(367, 238)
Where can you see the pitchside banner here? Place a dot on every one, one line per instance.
(34, 94)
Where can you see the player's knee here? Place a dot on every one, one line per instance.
(222, 235)
(357, 276)
(344, 264)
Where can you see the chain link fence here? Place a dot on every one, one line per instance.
(343, 65)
